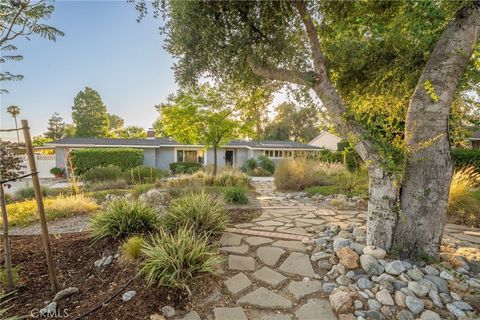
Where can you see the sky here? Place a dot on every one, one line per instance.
(103, 48)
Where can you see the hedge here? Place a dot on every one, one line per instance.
(185, 167)
(124, 158)
(466, 157)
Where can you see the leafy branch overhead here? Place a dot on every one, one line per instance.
(23, 19)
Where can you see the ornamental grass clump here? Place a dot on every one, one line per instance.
(232, 177)
(235, 195)
(198, 211)
(463, 203)
(175, 259)
(123, 218)
(132, 247)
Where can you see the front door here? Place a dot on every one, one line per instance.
(229, 157)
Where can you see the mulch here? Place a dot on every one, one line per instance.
(75, 255)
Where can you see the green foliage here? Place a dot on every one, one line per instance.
(114, 122)
(130, 132)
(3, 278)
(142, 175)
(323, 190)
(57, 171)
(175, 259)
(185, 167)
(11, 165)
(124, 158)
(25, 212)
(5, 299)
(56, 127)
(22, 19)
(123, 218)
(132, 247)
(198, 211)
(235, 195)
(431, 91)
(89, 114)
(139, 189)
(231, 178)
(266, 163)
(100, 174)
(293, 123)
(26, 193)
(250, 164)
(466, 157)
(260, 172)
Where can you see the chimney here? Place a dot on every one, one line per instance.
(150, 133)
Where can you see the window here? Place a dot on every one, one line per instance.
(190, 156)
(278, 153)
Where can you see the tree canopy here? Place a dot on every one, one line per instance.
(130, 132)
(56, 127)
(89, 114)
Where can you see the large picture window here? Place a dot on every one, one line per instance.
(190, 156)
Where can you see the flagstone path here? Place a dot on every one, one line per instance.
(268, 272)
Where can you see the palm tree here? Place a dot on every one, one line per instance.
(14, 112)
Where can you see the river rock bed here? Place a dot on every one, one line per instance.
(364, 283)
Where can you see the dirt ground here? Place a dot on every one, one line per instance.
(74, 257)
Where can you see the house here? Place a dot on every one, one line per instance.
(160, 152)
(475, 140)
(326, 140)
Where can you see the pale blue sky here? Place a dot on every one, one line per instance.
(103, 48)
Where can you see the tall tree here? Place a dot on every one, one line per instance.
(56, 127)
(291, 123)
(14, 112)
(22, 19)
(421, 52)
(201, 116)
(70, 130)
(130, 132)
(115, 122)
(89, 114)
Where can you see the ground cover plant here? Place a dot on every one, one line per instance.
(175, 259)
(132, 247)
(123, 218)
(25, 212)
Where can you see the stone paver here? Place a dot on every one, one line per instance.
(315, 309)
(235, 249)
(269, 276)
(300, 289)
(258, 241)
(277, 317)
(235, 313)
(230, 239)
(298, 263)
(241, 263)
(269, 255)
(292, 245)
(264, 298)
(237, 283)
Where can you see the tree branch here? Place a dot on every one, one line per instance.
(297, 77)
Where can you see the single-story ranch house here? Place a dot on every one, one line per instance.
(160, 152)
(475, 140)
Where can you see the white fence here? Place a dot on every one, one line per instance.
(45, 162)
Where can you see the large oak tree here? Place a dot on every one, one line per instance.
(408, 57)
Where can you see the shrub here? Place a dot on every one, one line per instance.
(142, 174)
(108, 173)
(123, 218)
(296, 174)
(198, 211)
(185, 167)
(466, 157)
(177, 187)
(132, 248)
(175, 259)
(141, 188)
(232, 177)
(462, 201)
(57, 171)
(235, 195)
(266, 163)
(124, 158)
(15, 275)
(107, 185)
(25, 212)
(250, 164)
(260, 172)
(27, 193)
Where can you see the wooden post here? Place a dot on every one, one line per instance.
(6, 242)
(41, 211)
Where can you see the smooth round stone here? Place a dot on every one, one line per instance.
(405, 315)
(397, 284)
(371, 265)
(415, 274)
(418, 289)
(324, 265)
(395, 267)
(364, 283)
(414, 304)
(447, 276)
(376, 252)
(431, 270)
(357, 304)
(339, 243)
(374, 304)
(429, 315)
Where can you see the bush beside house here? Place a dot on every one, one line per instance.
(185, 167)
(466, 157)
(124, 158)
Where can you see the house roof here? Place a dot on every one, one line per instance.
(165, 142)
(322, 134)
(475, 135)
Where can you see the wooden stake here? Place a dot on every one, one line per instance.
(41, 211)
(6, 242)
